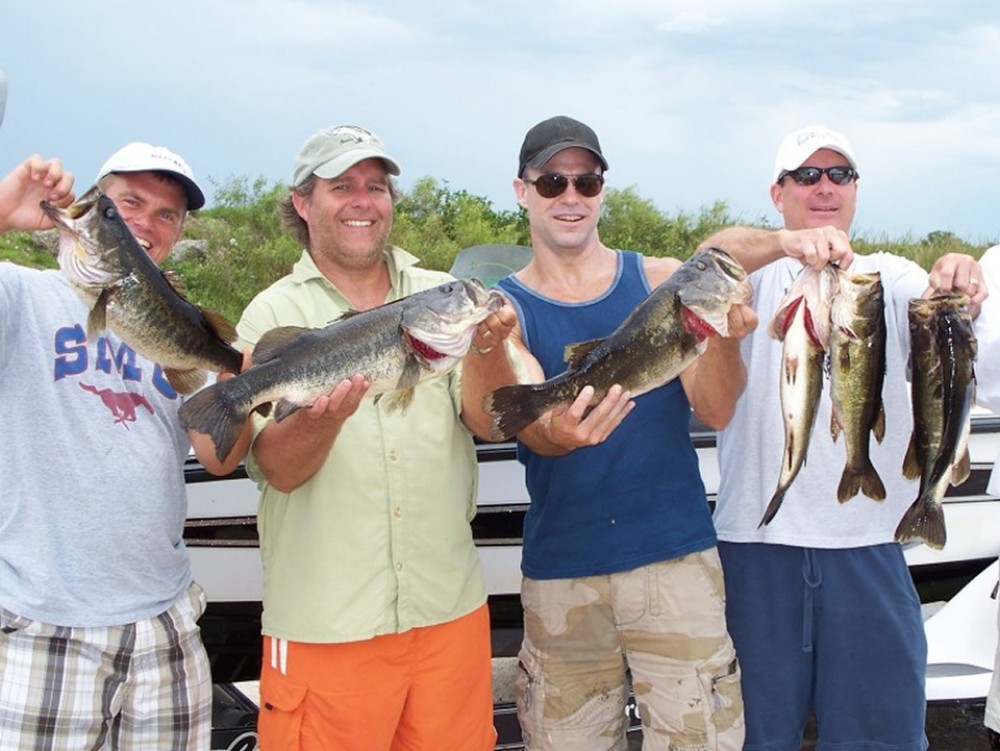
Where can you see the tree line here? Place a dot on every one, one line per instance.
(238, 247)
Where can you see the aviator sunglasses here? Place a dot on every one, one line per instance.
(553, 184)
(812, 175)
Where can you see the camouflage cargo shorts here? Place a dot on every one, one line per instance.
(663, 626)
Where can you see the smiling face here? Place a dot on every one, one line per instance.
(152, 205)
(568, 221)
(349, 216)
(820, 205)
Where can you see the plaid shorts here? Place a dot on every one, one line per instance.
(145, 686)
(665, 625)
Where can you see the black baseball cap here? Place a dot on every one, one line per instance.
(551, 136)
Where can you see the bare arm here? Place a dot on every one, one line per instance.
(31, 182)
(754, 247)
(485, 368)
(715, 381)
(204, 446)
(291, 451)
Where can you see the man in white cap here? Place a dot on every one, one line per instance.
(820, 602)
(99, 643)
(376, 629)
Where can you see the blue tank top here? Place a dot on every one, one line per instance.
(638, 497)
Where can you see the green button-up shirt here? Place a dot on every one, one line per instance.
(378, 541)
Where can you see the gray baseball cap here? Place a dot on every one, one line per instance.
(334, 150)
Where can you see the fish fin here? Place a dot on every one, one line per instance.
(399, 399)
(514, 408)
(284, 409)
(961, 469)
(923, 520)
(175, 280)
(186, 380)
(864, 480)
(97, 319)
(878, 427)
(772, 507)
(213, 412)
(274, 342)
(573, 354)
(911, 465)
(220, 325)
(835, 428)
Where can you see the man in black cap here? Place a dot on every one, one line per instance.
(619, 562)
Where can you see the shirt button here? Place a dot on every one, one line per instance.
(397, 512)
(399, 566)
(393, 456)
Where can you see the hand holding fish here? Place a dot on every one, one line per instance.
(958, 272)
(575, 426)
(494, 329)
(22, 191)
(342, 402)
(817, 246)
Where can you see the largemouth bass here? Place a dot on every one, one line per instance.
(653, 345)
(129, 294)
(943, 351)
(857, 371)
(394, 346)
(802, 324)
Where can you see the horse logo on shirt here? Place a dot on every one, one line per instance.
(122, 404)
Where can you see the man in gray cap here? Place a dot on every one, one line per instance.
(99, 642)
(619, 561)
(375, 620)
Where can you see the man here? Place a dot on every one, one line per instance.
(987, 327)
(819, 601)
(645, 591)
(99, 645)
(376, 631)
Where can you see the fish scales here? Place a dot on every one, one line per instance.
(662, 336)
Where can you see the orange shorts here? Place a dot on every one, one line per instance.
(427, 688)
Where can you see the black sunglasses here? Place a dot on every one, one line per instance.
(812, 175)
(553, 184)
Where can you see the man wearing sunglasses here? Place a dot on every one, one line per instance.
(619, 561)
(820, 602)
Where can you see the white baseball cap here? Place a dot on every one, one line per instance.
(803, 143)
(139, 156)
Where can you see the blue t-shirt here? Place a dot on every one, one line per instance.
(634, 499)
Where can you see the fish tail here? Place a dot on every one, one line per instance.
(860, 480)
(514, 408)
(772, 507)
(923, 520)
(213, 411)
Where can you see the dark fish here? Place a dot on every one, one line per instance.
(653, 345)
(943, 352)
(802, 324)
(394, 346)
(857, 370)
(129, 294)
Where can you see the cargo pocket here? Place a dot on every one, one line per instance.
(281, 707)
(723, 701)
(694, 707)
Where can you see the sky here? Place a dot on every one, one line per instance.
(690, 98)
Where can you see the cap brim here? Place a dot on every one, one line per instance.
(542, 157)
(340, 165)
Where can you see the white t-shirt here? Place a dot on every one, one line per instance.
(751, 446)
